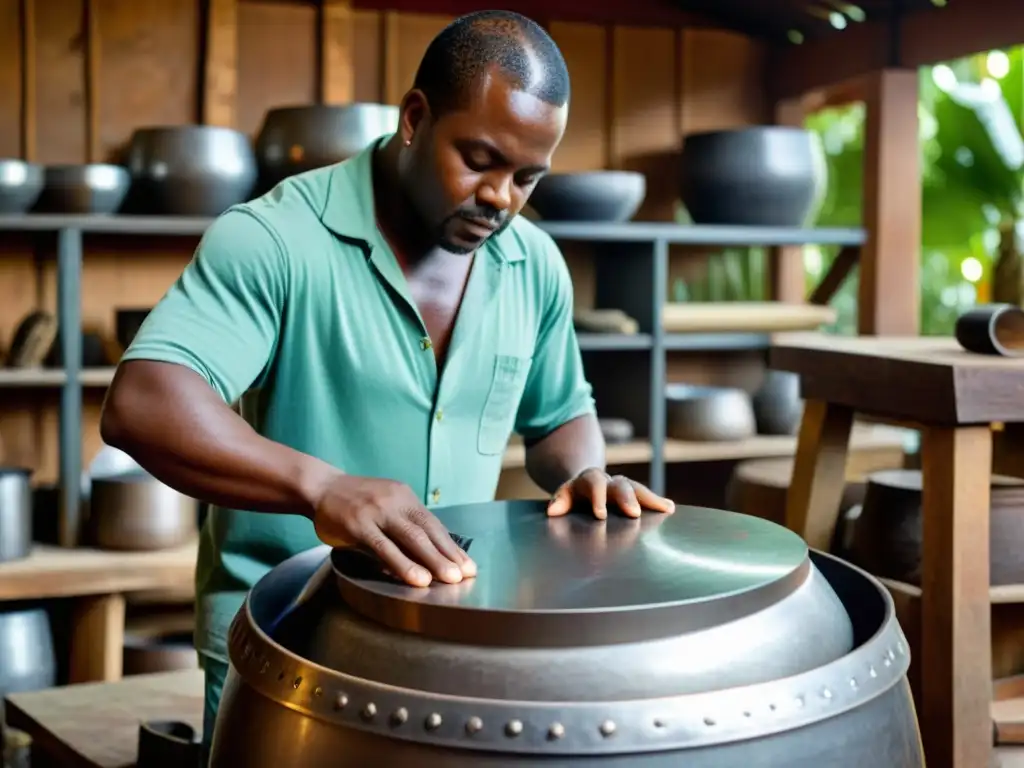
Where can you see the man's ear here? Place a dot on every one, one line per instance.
(414, 115)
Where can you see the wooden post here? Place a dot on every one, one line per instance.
(786, 277)
(91, 31)
(220, 74)
(889, 297)
(956, 647)
(337, 76)
(28, 74)
(392, 87)
(97, 639)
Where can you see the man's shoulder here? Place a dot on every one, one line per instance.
(293, 206)
(289, 218)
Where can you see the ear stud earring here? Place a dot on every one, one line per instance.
(408, 142)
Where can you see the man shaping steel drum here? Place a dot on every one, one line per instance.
(386, 323)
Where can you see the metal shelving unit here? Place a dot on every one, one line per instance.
(632, 275)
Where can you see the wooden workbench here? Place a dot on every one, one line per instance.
(98, 580)
(96, 725)
(953, 397)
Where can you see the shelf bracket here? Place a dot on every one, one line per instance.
(656, 420)
(69, 324)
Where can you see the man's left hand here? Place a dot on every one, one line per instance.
(597, 488)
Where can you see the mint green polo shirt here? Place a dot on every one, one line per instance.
(295, 306)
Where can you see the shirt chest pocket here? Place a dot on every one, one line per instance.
(499, 412)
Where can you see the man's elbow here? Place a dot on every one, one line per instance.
(112, 421)
(116, 415)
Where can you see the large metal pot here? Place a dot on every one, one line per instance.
(27, 659)
(608, 196)
(189, 170)
(20, 185)
(133, 511)
(705, 637)
(771, 176)
(90, 188)
(297, 139)
(708, 414)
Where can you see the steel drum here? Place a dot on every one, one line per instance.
(708, 639)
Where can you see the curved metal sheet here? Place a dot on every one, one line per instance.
(332, 705)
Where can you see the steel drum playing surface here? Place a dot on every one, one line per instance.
(697, 565)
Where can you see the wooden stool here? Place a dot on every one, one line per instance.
(953, 397)
(759, 487)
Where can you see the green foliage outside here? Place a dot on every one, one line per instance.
(972, 158)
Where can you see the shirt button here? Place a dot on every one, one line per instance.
(426, 343)
(435, 495)
(440, 414)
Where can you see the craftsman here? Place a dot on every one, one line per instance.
(384, 324)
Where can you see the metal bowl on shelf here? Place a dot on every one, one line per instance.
(127, 322)
(20, 185)
(772, 176)
(708, 414)
(97, 188)
(134, 512)
(27, 658)
(703, 638)
(189, 170)
(609, 196)
(297, 139)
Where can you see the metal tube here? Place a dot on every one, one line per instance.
(69, 322)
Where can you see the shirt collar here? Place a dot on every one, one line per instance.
(349, 208)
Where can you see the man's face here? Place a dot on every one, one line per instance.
(470, 171)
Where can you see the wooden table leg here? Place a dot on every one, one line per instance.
(956, 637)
(97, 640)
(819, 472)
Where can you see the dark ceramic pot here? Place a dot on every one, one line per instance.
(887, 534)
(297, 139)
(191, 170)
(92, 188)
(127, 323)
(777, 404)
(20, 185)
(769, 176)
(592, 196)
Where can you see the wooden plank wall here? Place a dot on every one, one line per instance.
(76, 80)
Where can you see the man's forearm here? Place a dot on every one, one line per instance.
(573, 447)
(175, 426)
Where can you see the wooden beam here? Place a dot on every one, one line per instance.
(889, 296)
(837, 274)
(220, 68)
(654, 13)
(337, 75)
(926, 37)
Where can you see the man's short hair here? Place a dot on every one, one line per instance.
(517, 46)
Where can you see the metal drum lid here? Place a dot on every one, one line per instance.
(575, 580)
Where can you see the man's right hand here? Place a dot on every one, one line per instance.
(388, 519)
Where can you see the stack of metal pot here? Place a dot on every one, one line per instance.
(702, 638)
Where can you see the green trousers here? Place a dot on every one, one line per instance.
(215, 670)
